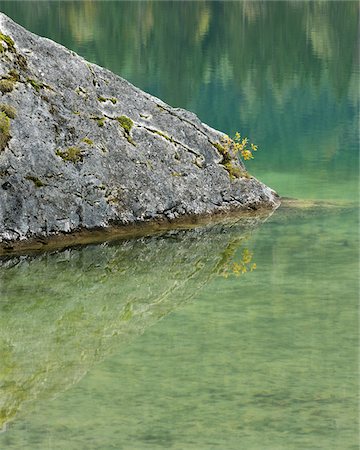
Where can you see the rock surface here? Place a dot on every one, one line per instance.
(81, 148)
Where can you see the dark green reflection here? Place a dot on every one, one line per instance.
(228, 41)
(61, 312)
(285, 74)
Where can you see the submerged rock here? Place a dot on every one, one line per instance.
(81, 148)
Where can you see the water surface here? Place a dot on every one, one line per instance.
(230, 337)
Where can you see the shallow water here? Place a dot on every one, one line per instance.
(180, 341)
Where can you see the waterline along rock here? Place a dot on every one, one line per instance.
(81, 148)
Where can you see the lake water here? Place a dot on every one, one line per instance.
(237, 336)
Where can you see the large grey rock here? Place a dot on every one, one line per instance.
(67, 163)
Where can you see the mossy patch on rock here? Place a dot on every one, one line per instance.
(228, 161)
(13, 75)
(7, 44)
(126, 123)
(100, 120)
(165, 136)
(4, 38)
(113, 100)
(235, 171)
(9, 110)
(7, 82)
(87, 141)
(4, 130)
(37, 85)
(71, 154)
(6, 86)
(37, 182)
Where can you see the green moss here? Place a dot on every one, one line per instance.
(7, 83)
(113, 100)
(245, 174)
(165, 136)
(6, 86)
(13, 75)
(8, 41)
(87, 141)
(71, 154)
(10, 111)
(7, 44)
(126, 123)
(234, 172)
(37, 182)
(37, 85)
(227, 158)
(100, 120)
(7, 112)
(10, 44)
(228, 162)
(4, 130)
(219, 147)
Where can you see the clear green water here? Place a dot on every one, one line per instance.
(144, 344)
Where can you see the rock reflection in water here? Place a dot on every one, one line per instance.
(62, 312)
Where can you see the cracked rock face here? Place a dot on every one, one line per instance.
(82, 148)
